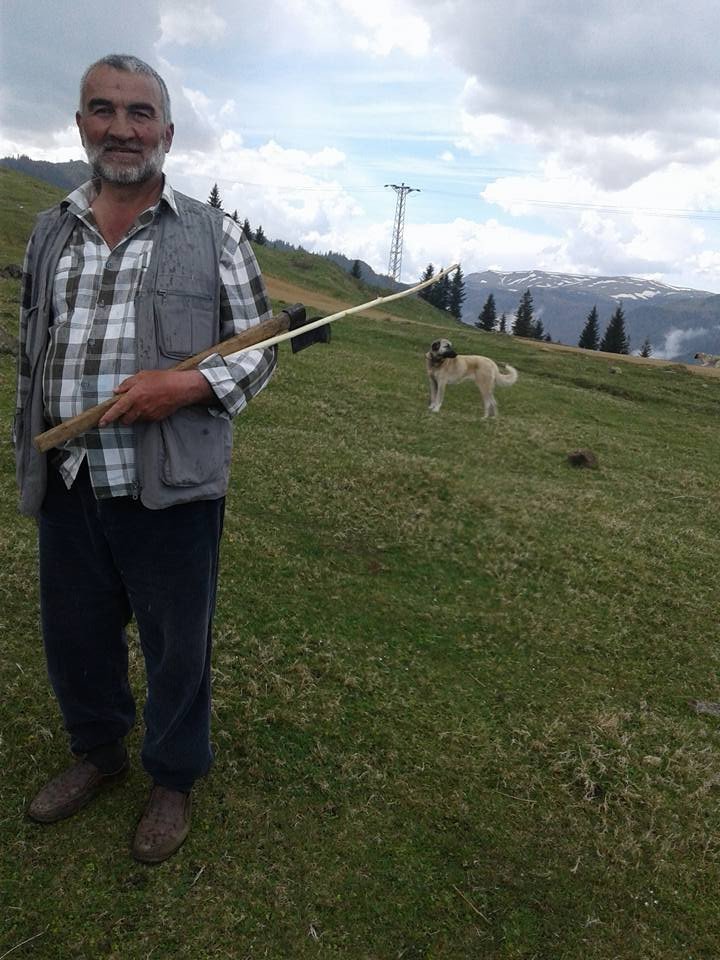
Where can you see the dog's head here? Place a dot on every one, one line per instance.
(441, 350)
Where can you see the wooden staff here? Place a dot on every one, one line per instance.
(265, 334)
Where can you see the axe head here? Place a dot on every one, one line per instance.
(296, 315)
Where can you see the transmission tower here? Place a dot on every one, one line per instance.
(396, 247)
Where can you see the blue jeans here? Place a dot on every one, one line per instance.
(102, 562)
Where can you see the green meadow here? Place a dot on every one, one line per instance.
(454, 675)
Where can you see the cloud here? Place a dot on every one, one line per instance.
(187, 24)
(638, 81)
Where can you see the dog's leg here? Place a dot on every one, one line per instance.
(433, 391)
(439, 395)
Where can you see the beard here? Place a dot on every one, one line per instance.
(104, 168)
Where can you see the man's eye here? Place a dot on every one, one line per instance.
(142, 114)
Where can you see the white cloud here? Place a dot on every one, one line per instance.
(188, 24)
(638, 81)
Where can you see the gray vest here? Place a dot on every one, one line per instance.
(177, 313)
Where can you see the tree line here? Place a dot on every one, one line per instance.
(258, 236)
(614, 340)
(525, 323)
(447, 294)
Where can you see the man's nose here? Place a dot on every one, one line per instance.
(121, 125)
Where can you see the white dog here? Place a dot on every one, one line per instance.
(444, 366)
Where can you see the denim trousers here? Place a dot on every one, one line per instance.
(101, 563)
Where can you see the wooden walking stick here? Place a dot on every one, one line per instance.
(289, 324)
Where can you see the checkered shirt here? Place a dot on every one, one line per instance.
(88, 356)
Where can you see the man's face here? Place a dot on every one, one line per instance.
(122, 126)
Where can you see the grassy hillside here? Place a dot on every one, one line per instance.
(452, 679)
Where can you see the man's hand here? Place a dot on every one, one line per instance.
(155, 394)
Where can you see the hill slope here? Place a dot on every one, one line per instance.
(451, 677)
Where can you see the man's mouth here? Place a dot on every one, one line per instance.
(115, 149)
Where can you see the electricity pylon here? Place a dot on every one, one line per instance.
(396, 247)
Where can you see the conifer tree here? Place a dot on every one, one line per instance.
(235, 217)
(246, 229)
(524, 325)
(355, 272)
(615, 339)
(646, 348)
(214, 198)
(538, 330)
(428, 274)
(590, 336)
(440, 297)
(260, 237)
(456, 295)
(502, 325)
(487, 318)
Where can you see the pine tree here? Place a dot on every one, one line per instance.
(235, 217)
(457, 294)
(487, 317)
(428, 273)
(590, 336)
(214, 198)
(538, 330)
(441, 293)
(524, 325)
(615, 339)
(355, 272)
(260, 237)
(502, 326)
(646, 348)
(246, 229)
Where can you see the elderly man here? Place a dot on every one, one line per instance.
(122, 279)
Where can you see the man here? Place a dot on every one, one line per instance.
(122, 279)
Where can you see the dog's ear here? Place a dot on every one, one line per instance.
(435, 346)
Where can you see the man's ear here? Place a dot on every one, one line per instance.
(168, 136)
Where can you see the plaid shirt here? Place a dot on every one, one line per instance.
(87, 356)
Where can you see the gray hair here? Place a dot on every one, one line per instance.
(130, 64)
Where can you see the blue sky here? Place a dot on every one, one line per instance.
(540, 135)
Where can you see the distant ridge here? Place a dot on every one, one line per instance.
(67, 175)
(679, 322)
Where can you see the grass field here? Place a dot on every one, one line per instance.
(451, 686)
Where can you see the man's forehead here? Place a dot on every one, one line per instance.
(107, 83)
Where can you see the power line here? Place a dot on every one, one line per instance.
(661, 212)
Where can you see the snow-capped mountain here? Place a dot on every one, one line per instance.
(678, 321)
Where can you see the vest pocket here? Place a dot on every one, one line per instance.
(196, 447)
(185, 323)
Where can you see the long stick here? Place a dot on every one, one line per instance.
(275, 330)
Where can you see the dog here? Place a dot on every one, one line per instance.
(708, 360)
(445, 366)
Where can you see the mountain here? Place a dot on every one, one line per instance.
(67, 176)
(679, 322)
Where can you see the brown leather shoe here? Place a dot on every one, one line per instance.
(163, 826)
(71, 790)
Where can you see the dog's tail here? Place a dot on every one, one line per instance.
(507, 379)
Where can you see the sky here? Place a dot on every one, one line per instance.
(538, 134)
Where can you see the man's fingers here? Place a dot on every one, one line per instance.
(117, 410)
(125, 385)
